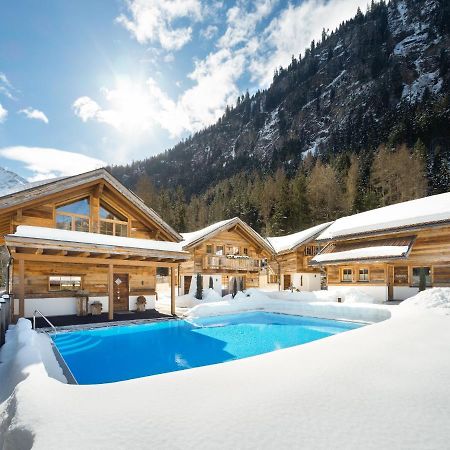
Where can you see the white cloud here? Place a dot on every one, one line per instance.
(3, 113)
(209, 32)
(6, 88)
(242, 23)
(136, 107)
(31, 113)
(50, 162)
(155, 21)
(293, 30)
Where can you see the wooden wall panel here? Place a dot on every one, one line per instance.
(94, 278)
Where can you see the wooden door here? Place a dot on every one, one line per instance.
(286, 281)
(187, 283)
(390, 282)
(121, 292)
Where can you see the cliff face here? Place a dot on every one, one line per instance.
(381, 77)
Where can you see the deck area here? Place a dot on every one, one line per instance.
(64, 321)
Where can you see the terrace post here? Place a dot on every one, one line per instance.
(110, 292)
(21, 288)
(172, 290)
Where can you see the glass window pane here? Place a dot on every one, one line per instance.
(416, 275)
(219, 250)
(63, 222)
(106, 212)
(121, 229)
(209, 249)
(106, 228)
(54, 283)
(81, 224)
(78, 207)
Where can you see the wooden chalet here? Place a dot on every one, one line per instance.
(390, 253)
(84, 235)
(221, 253)
(291, 259)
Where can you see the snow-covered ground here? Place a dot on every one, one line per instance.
(380, 386)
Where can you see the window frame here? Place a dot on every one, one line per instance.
(73, 216)
(342, 275)
(359, 275)
(210, 249)
(418, 284)
(62, 276)
(115, 222)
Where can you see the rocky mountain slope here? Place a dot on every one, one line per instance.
(382, 77)
(9, 180)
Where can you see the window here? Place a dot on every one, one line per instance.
(401, 275)
(245, 251)
(347, 275)
(209, 249)
(421, 274)
(219, 250)
(229, 250)
(235, 251)
(73, 216)
(112, 222)
(64, 283)
(363, 275)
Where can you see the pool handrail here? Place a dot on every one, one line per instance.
(45, 318)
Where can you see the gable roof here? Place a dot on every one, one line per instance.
(197, 237)
(433, 210)
(290, 242)
(19, 195)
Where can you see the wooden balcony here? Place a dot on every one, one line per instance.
(212, 262)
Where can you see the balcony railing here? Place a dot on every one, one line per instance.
(226, 263)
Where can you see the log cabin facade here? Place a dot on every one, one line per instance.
(390, 253)
(83, 235)
(290, 262)
(221, 253)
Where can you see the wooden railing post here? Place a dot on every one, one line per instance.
(110, 292)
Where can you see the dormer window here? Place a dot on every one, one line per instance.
(112, 222)
(73, 216)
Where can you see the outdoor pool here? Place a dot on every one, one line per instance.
(117, 353)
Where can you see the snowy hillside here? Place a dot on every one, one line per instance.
(381, 77)
(9, 180)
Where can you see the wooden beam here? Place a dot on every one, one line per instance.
(110, 292)
(82, 260)
(21, 288)
(172, 291)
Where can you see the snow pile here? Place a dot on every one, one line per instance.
(189, 300)
(349, 295)
(380, 386)
(189, 238)
(435, 298)
(325, 307)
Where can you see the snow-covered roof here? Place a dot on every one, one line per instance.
(195, 237)
(189, 238)
(81, 237)
(428, 210)
(290, 242)
(380, 252)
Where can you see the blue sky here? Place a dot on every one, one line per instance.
(89, 82)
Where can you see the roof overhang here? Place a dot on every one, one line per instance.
(73, 251)
(373, 251)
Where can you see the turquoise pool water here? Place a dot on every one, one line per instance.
(117, 353)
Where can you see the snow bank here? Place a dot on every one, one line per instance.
(254, 300)
(380, 386)
(435, 298)
(348, 295)
(189, 300)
